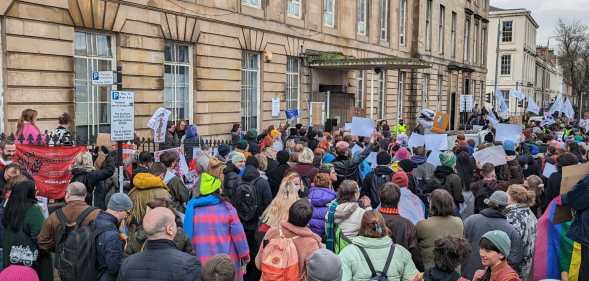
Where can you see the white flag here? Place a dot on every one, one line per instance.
(491, 117)
(158, 123)
(503, 108)
(519, 95)
(532, 106)
(557, 106)
(568, 109)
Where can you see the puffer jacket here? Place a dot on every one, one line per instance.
(348, 216)
(231, 179)
(109, 247)
(346, 168)
(381, 174)
(146, 188)
(160, 261)
(355, 267)
(444, 177)
(320, 198)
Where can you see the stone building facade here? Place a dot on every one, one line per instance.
(220, 62)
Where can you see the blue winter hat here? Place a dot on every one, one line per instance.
(534, 149)
(508, 145)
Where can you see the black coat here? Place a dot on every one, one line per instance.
(96, 180)
(377, 175)
(160, 261)
(262, 189)
(347, 169)
(552, 188)
(109, 247)
(231, 180)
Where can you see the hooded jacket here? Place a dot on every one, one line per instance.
(444, 177)
(346, 168)
(380, 174)
(348, 216)
(231, 179)
(320, 198)
(356, 268)
(262, 189)
(275, 175)
(424, 170)
(146, 188)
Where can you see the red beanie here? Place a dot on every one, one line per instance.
(18, 272)
(401, 179)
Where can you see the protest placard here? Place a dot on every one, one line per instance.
(356, 149)
(508, 132)
(182, 167)
(440, 122)
(362, 127)
(549, 169)
(416, 140)
(434, 158)
(103, 139)
(158, 123)
(372, 159)
(571, 175)
(436, 142)
(494, 155)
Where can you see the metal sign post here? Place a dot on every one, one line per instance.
(122, 121)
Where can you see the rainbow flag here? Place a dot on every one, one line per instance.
(554, 252)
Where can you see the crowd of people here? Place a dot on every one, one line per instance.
(302, 203)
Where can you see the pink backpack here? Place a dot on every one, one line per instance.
(280, 260)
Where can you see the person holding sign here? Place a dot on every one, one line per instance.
(553, 184)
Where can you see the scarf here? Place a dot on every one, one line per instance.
(389, 211)
(418, 159)
(208, 200)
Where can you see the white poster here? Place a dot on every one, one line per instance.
(158, 123)
(508, 132)
(362, 127)
(434, 158)
(549, 169)
(122, 116)
(494, 155)
(436, 142)
(416, 140)
(275, 107)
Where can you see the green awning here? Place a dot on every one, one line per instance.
(337, 61)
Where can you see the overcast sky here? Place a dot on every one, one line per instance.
(547, 12)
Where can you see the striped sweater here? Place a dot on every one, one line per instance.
(217, 230)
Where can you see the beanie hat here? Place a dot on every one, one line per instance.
(223, 149)
(120, 202)
(218, 268)
(508, 145)
(242, 144)
(19, 272)
(402, 154)
(534, 149)
(251, 134)
(448, 159)
(383, 158)
(306, 156)
(500, 240)
(401, 179)
(323, 265)
(498, 197)
(567, 159)
(282, 156)
(237, 157)
(208, 184)
(407, 165)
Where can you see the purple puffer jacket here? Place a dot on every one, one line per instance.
(320, 197)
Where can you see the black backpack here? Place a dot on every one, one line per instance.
(245, 200)
(75, 253)
(381, 275)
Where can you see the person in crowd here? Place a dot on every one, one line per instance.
(109, 244)
(530, 163)
(402, 154)
(171, 140)
(138, 236)
(18, 272)
(75, 196)
(235, 134)
(94, 179)
(252, 142)
(346, 165)
(160, 260)
(145, 160)
(578, 200)
(465, 167)
(276, 175)
(22, 222)
(483, 188)
(495, 246)
(407, 166)
(219, 268)
(223, 150)
(574, 148)
(9, 171)
(7, 152)
(190, 141)
(512, 172)
(491, 218)
(271, 137)
(441, 223)
(552, 188)
(304, 166)
(146, 187)
(399, 128)
(402, 231)
(524, 221)
(212, 215)
(241, 147)
(305, 241)
(449, 253)
(323, 265)
(446, 178)
(536, 184)
(61, 135)
(26, 128)
(321, 194)
(232, 173)
(375, 180)
(270, 154)
(349, 209)
(262, 167)
(373, 251)
(180, 194)
(424, 171)
(410, 206)
(180, 129)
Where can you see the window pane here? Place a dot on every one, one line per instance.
(103, 45)
(80, 43)
(182, 54)
(168, 52)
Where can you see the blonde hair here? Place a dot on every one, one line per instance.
(521, 195)
(277, 211)
(262, 161)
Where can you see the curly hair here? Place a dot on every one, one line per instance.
(450, 252)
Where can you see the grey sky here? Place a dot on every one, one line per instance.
(547, 13)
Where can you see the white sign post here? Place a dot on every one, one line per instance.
(102, 78)
(122, 116)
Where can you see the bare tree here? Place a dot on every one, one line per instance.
(574, 57)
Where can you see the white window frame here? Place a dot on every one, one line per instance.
(294, 8)
(329, 14)
(360, 89)
(382, 94)
(252, 3)
(425, 91)
(188, 107)
(428, 25)
(442, 29)
(361, 17)
(505, 70)
(506, 34)
(384, 20)
(401, 91)
(247, 72)
(293, 78)
(93, 104)
(402, 23)
(453, 33)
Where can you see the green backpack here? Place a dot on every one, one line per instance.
(336, 240)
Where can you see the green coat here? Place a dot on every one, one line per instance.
(355, 268)
(180, 194)
(32, 222)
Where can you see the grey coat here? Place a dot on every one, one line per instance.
(476, 226)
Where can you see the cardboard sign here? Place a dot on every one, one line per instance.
(158, 123)
(571, 175)
(440, 122)
(103, 139)
(494, 155)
